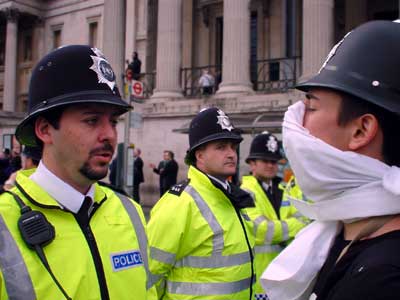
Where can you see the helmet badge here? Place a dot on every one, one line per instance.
(104, 72)
(272, 144)
(224, 121)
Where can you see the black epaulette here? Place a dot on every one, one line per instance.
(178, 188)
(114, 188)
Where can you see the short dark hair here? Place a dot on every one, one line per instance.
(352, 107)
(170, 153)
(53, 116)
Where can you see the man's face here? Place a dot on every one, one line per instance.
(83, 146)
(218, 158)
(321, 118)
(166, 156)
(264, 170)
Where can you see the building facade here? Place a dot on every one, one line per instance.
(256, 51)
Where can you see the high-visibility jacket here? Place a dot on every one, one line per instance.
(199, 243)
(271, 232)
(108, 257)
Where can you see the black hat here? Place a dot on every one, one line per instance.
(211, 124)
(32, 152)
(68, 75)
(265, 146)
(365, 64)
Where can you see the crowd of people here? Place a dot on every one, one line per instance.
(330, 233)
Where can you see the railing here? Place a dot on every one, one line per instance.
(191, 78)
(267, 76)
(275, 75)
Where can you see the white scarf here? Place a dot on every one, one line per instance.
(343, 186)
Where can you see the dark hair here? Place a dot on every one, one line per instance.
(170, 153)
(352, 107)
(53, 116)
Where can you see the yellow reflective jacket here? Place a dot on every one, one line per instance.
(116, 231)
(198, 246)
(272, 233)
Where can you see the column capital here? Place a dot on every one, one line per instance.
(11, 14)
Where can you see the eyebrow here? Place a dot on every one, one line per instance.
(311, 96)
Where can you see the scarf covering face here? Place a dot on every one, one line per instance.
(343, 186)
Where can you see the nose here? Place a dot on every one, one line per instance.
(107, 132)
(232, 150)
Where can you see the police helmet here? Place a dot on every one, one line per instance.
(265, 146)
(365, 64)
(68, 75)
(211, 124)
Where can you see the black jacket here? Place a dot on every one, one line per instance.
(168, 171)
(138, 171)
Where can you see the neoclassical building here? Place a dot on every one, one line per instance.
(256, 51)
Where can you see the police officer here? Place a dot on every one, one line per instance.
(276, 221)
(200, 242)
(342, 143)
(64, 236)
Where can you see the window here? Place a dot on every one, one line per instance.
(56, 38)
(27, 47)
(93, 34)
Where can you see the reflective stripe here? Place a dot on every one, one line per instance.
(216, 261)
(285, 231)
(140, 233)
(154, 278)
(16, 277)
(218, 233)
(163, 256)
(214, 288)
(270, 232)
(297, 215)
(268, 249)
(257, 223)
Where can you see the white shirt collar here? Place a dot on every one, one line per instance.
(267, 185)
(62, 192)
(225, 183)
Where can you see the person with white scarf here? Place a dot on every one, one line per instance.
(342, 143)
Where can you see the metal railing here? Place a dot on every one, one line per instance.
(275, 75)
(191, 80)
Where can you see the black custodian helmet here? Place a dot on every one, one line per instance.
(211, 124)
(265, 146)
(70, 74)
(365, 64)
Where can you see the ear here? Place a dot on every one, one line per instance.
(43, 130)
(199, 154)
(364, 131)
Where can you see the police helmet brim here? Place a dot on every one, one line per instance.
(218, 136)
(25, 132)
(263, 156)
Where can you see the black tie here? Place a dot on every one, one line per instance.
(83, 213)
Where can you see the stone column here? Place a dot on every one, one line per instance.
(169, 49)
(236, 48)
(114, 37)
(318, 34)
(10, 67)
(131, 29)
